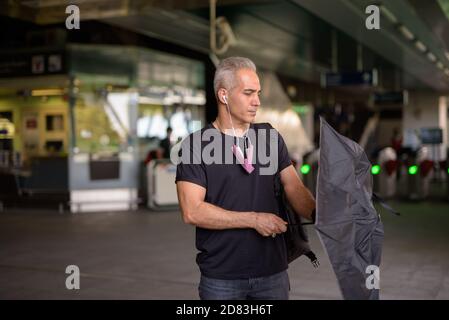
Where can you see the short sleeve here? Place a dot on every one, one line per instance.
(190, 168)
(284, 157)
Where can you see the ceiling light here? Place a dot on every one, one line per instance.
(421, 47)
(46, 92)
(447, 55)
(431, 57)
(440, 65)
(406, 33)
(387, 13)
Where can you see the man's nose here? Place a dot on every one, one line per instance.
(256, 101)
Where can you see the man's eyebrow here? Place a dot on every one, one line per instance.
(252, 90)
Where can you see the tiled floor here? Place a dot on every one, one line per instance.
(148, 255)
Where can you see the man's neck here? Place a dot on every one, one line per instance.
(224, 125)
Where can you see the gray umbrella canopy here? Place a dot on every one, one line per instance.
(347, 223)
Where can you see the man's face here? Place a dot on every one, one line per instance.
(244, 98)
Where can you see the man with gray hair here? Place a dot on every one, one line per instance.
(233, 205)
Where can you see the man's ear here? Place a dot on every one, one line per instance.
(222, 96)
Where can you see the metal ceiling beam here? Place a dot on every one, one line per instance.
(435, 18)
(53, 11)
(173, 26)
(270, 48)
(349, 17)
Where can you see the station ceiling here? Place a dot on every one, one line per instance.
(292, 37)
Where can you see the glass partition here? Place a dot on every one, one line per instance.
(102, 123)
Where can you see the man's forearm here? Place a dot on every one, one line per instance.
(209, 216)
(301, 200)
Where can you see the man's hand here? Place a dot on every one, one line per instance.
(268, 224)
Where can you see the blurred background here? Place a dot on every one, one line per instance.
(91, 108)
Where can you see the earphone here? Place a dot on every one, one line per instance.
(245, 157)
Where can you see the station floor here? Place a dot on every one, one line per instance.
(151, 255)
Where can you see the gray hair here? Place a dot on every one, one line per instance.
(226, 70)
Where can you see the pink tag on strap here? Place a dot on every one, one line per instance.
(246, 163)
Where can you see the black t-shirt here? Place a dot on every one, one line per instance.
(236, 253)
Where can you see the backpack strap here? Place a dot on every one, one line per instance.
(375, 197)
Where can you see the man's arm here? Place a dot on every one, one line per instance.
(197, 212)
(297, 194)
